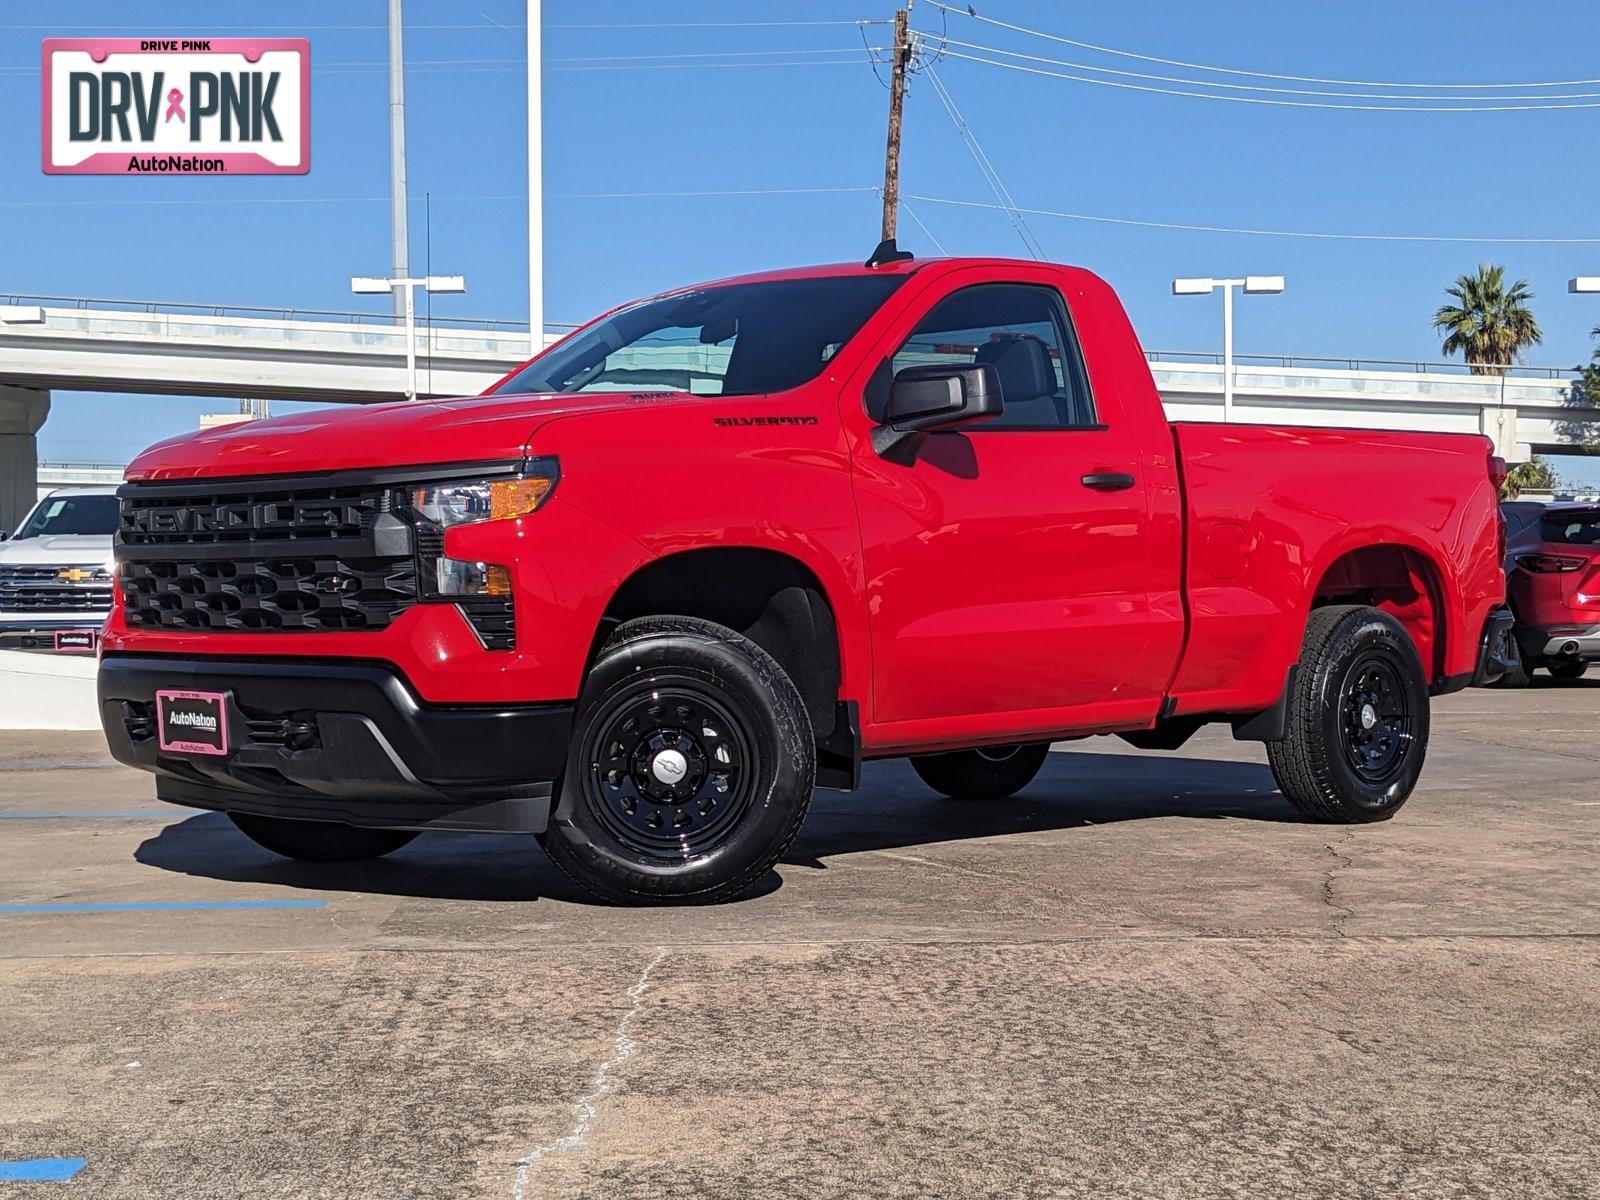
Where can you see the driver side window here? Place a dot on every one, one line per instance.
(1023, 332)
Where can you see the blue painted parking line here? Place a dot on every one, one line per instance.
(41, 1170)
(160, 906)
(91, 816)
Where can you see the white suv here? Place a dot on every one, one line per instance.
(56, 570)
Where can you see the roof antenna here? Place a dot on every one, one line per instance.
(887, 252)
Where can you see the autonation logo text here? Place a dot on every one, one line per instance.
(193, 106)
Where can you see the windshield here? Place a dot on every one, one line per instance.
(72, 514)
(1580, 528)
(742, 339)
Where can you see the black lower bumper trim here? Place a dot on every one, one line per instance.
(346, 741)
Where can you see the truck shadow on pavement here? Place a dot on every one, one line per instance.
(893, 810)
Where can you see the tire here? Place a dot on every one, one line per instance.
(1567, 669)
(1519, 674)
(691, 767)
(1358, 719)
(319, 841)
(991, 773)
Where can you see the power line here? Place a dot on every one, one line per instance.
(991, 176)
(273, 200)
(1247, 87)
(922, 225)
(1136, 87)
(1282, 233)
(1175, 62)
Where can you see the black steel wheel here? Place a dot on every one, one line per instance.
(1357, 730)
(691, 767)
(320, 841)
(1377, 716)
(671, 771)
(987, 773)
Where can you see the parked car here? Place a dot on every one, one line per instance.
(1519, 514)
(1553, 583)
(721, 545)
(55, 572)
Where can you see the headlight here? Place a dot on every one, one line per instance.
(462, 502)
(437, 507)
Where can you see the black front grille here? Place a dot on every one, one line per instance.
(307, 594)
(292, 555)
(255, 556)
(231, 515)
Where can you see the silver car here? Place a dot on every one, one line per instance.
(56, 572)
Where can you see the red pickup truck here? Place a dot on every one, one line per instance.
(719, 546)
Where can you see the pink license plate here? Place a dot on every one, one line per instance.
(192, 722)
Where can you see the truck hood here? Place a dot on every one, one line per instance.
(416, 433)
(62, 549)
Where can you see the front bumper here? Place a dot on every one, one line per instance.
(39, 633)
(341, 741)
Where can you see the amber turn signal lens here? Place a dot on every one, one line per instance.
(497, 581)
(517, 497)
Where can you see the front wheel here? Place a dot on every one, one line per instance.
(691, 766)
(1358, 719)
(319, 841)
(988, 773)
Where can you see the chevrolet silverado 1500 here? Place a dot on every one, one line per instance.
(719, 546)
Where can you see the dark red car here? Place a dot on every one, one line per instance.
(1553, 582)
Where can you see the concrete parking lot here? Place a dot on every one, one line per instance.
(1143, 977)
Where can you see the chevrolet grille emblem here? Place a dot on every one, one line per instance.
(74, 575)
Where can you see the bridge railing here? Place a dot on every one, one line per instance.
(269, 313)
(1327, 363)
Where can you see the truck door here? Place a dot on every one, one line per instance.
(1006, 567)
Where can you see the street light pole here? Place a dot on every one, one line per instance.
(371, 285)
(399, 227)
(535, 179)
(1267, 285)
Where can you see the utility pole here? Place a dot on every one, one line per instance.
(535, 178)
(897, 99)
(399, 231)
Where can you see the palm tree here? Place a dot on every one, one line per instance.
(1489, 324)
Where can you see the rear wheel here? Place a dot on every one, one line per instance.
(691, 766)
(1358, 719)
(1568, 668)
(319, 841)
(989, 773)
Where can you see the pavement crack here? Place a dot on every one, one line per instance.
(1342, 912)
(599, 1086)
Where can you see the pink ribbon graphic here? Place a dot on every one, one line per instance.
(174, 106)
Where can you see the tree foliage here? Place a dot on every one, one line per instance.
(1489, 324)
(1535, 475)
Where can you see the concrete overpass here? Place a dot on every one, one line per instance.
(200, 350)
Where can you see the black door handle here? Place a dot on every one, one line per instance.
(1108, 481)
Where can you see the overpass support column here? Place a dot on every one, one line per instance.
(22, 412)
(1499, 425)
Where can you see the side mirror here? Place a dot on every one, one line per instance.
(937, 396)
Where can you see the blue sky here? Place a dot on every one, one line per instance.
(620, 123)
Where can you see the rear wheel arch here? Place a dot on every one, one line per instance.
(1405, 582)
